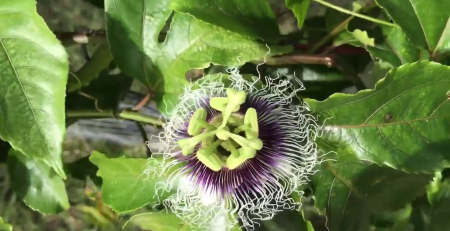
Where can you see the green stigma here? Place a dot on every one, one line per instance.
(227, 140)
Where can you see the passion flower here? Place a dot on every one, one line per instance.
(237, 153)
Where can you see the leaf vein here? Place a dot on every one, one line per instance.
(440, 105)
(421, 24)
(386, 124)
(389, 142)
(408, 90)
(25, 94)
(373, 92)
(35, 43)
(422, 136)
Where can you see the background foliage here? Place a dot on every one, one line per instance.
(78, 76)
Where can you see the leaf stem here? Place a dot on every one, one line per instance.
(127, 115)
(136, 116)
(354, 13)
(338, 29)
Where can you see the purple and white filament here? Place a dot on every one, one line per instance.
(261, 186)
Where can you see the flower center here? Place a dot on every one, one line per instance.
(227, 140)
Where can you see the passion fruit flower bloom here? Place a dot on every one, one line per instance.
(237, 153)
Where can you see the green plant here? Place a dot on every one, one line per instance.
(376, 159)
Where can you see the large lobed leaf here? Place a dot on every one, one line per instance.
(242, 17)
(349, 191)
(33, 73)
(133, 28)
(403, 123)
(127, 185)
(37, 184)
(425, 23)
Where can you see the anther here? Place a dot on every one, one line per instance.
(195, 126)
(229, 104)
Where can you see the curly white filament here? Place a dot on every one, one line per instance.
(203, 208)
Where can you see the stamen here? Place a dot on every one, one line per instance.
(223, 133)
(242, 128)
(206, 125)
(251, 120)
(188, 144)
(195, 126)
(227, 145)
(255, 143)
(228, 105)
(209, 157)
(250, 125)
(244, 154)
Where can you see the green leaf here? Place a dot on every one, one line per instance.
(348, 190)
(395, 48)
(402, 123)
(5, 226)
(286, 220)
(433, 215)
(91, 70)
(300, 9)
(32, 88)
(158, 221)
(190, 44)
(444, 42)
(389, 218)
(126, 184)
(242, 17)
(37, 184)
(423, 22)
(363, 37)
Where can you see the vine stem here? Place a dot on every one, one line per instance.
(136, 116)
(127, 115)
(354, 13)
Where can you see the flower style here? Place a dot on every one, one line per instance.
(237, 153)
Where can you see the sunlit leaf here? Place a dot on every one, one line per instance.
(5, 226)
(158, 221)
(127, 184)
(190, 44)
(424, 22)
(34, 69)
(37, 184)
(242, 17)
(300, 9)
(402, 123)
